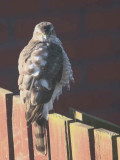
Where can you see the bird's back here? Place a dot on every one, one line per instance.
(40, 68)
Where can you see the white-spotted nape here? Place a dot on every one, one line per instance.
(37, 28)
(26, 78)
(31, 66)
(35, 53)
(45, 54)
(45, 84)
(48, 44)
(36, 60)
(67, 74)
(24, 95)
(36, 72)
(43, 63)
(28, 69)
(40, 49)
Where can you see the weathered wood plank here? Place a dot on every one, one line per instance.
(92, 120)
(104, 145)
(81, 143)
(6, 139)
(118, 147)
(20, 133)
(59, 139)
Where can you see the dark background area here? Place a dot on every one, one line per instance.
(90, 32)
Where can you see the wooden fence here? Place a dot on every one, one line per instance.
(76, 137)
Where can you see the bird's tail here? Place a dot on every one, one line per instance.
(40, 136)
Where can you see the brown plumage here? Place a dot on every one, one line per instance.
(42, 73)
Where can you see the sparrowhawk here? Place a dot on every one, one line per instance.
(44, 69)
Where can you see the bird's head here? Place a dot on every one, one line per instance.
(43, 31)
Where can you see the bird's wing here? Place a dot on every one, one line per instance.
(40, 70)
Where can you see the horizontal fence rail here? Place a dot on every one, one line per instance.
(79, 136)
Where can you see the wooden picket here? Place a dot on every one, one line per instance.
(80, 141)
(19, 130)
(6, 146)
(118, 147)
(59, 140)
(92, 120)
(104, 144)
(79, 136)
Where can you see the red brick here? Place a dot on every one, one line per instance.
(110, 113)
(10, 8)
(3, 32)
(24, 28)
(103, 20)
(98, 46)
(86, 100)
(70, 25)
(111, 116)
(104, 73)
(90, 47)
(118, 44)
(9, 58)
(70, 3)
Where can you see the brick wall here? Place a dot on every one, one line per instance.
(90, 32)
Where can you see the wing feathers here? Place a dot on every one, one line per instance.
(43, 63)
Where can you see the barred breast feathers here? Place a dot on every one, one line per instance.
(67, 76)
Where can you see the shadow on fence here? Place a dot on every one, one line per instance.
(77, 137)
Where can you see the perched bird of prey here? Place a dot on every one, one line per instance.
(44, 69)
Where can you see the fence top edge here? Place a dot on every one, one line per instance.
(17, 101)
(118, 138)
(106, 132)
(79, 114)
(5, 91)
(16, 96)
(59, 116)
(81, 125)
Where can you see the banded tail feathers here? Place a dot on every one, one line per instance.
(40, 136)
